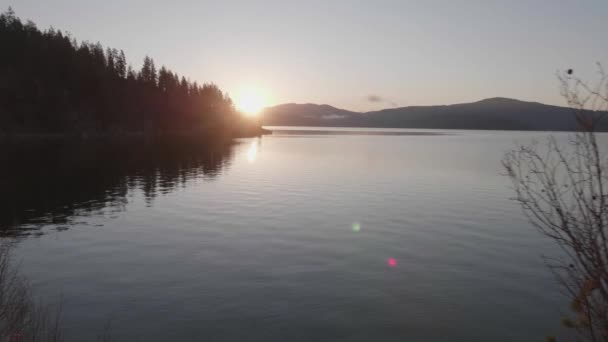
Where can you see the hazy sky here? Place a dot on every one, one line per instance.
(343, 52)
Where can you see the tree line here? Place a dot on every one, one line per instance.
(51, 83)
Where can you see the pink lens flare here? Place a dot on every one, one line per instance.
(392, 262)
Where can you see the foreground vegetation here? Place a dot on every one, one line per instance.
(22, 318)
(563, 189)
(50, 84)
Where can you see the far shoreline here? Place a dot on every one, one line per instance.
(120, 136)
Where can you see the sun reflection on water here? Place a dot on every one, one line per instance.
(252, 153)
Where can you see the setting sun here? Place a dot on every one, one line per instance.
(251, 101)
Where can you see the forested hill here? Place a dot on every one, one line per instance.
(52, 84)
(492, 114)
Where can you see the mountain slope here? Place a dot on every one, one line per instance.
(494, 113)
(292, 114)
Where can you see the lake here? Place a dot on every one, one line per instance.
(307, 234)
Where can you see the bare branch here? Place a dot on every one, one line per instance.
(562, 191)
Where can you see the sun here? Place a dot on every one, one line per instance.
(251, 101)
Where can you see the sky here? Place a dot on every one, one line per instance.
(356, 55)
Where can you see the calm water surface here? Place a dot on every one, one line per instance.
(304, 235)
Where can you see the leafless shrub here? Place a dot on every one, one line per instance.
(563, 190)
(22, 318)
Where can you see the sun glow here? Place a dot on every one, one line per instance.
(251, 101)
(252, 153)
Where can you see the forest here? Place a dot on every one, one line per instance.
(51, 84)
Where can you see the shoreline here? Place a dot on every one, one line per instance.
(115, 136)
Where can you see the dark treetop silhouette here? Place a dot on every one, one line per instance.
(51, 84)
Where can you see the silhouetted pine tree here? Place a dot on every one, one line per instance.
(49, 83)
(121, 65)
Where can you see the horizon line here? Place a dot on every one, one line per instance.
(412, 106)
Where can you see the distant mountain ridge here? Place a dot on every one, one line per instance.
(496, 113)
(292, 114)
